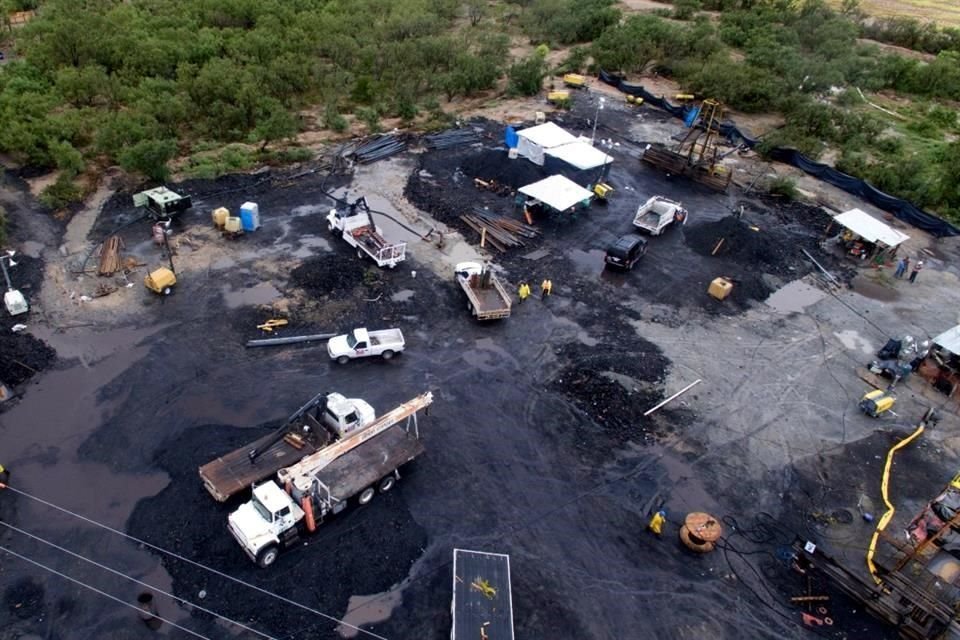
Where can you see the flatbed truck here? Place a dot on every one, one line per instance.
(482, 605)
(325, 419)
(486, 297)
(280, 512)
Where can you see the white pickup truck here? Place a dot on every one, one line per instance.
(361, 343)
(658, 213)
(356, 226)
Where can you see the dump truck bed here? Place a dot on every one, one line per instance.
(482, 598)
(232, 473)
(364, 465)
(487, 303)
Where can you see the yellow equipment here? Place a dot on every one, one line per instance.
(574, 80)
(161, 281)
(558, 96)
(877, 402)
(602, 190)
(272, 324)
(684, 96)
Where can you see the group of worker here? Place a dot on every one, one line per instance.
(903, 265)
(546, 288)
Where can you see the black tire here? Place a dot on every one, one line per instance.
(386, 355)
(267, 556)
(470, 307)
(360, 254)
(387, 483)
(343, 359)
(366, 496)
(167, 291)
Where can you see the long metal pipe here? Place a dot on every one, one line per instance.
(270, 342)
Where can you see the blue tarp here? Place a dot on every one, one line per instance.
(902, 209)
(511, 138)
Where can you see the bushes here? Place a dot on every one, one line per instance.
(568, 21)
(61, 193)
(526, 76)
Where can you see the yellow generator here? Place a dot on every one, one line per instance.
(161, 281)
(877, 402)
(574, 80)
(602, 191)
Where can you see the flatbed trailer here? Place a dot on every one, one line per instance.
(482, 604)
(302, 435)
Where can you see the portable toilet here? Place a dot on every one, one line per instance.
(250, 216)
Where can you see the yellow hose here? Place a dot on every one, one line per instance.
(888, 515)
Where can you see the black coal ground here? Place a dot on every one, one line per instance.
(22, 355)
(478, 447)
(363, 550)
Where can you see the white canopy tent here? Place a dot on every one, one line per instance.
(557, 192)
(949, 340)
(870, 229)
(580, 154)
(533, 142)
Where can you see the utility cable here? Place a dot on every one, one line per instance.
(194, 563)
(103, 593)
(132, 579)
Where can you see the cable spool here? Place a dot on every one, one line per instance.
(700, 532)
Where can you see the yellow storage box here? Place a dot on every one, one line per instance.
(720, 288)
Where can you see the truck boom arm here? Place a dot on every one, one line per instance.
(319, 399)
(317, 461)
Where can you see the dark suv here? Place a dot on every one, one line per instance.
(626, 251)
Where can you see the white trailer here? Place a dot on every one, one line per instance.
(658, 213)
(361, 343)
(324, 483)
(355, 225)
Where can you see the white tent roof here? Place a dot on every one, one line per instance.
(547, 135)
(949, 340)
(557, 192)
(869, 228)
(580, 154)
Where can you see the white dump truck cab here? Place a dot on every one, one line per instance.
(264, 522)
(346, 415)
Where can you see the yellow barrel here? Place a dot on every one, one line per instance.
(232, 225)
(220, 216)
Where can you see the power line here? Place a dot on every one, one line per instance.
(132, 579)
(103, 593)
(197, 564)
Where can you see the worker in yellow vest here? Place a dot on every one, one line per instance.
(524, 291)
(4, 477)
(546, 288)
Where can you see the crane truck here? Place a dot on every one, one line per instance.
(355, 224)
(325, 482)
(327, 418)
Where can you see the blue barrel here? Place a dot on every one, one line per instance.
(250, 216)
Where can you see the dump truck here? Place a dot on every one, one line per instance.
(354, 223)
(361, 343)
(486, 297)
(658, 213)
(326, 419)
(358, 467)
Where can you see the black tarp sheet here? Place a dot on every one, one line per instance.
(902, 209)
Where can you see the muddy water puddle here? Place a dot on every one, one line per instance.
(364, 610)
(794, 297)
(870, 288)
(263, 293)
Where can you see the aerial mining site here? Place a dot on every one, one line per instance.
(510, 379)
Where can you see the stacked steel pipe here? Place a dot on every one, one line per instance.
(500, 232)
(451, 138)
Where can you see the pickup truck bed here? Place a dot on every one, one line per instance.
(385, 336)
(232, 473)
(367, 463)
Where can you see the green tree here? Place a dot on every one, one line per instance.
(477, 10)
(526, 76)
(67, 158)
(149, 158)
(274, 122)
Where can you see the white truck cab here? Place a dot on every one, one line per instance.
(346, 415)
(259, 525)
(361, 343)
